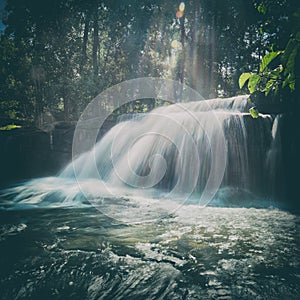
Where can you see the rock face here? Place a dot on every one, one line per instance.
(61, 144)
(29, 152)
(24, 153)
(290, 143)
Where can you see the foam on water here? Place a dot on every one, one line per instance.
(188, 152)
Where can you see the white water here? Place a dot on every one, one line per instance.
(146, 168)
(193, 152)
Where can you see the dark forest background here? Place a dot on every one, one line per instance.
(57, 55)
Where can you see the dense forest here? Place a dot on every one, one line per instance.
(57, 55)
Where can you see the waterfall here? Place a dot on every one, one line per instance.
(183, 149)
(274, 161)
(209, 151)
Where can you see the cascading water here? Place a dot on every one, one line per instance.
(274, 160)
(197, 152)
(146, 234)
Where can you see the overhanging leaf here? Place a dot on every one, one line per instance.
(243, 78)
(292, 85)
(253, 81)
(254, 112)
(262, 9)
(269, 86)
(267, 59)
(291, 60)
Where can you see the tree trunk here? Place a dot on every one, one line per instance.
(85, 40)
(95, 44)
(212, 63)
(182, 58)
(67, 105)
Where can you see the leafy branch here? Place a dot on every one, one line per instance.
(267, 79)
(270, 80)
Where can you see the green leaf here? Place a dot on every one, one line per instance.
(269, 86)
(253, 81)
(288, 81)
(243, 78)
(276, 72)
(9, 127)
(290, 66)
(292, 85)
(262, 9)
(254, 113)
(266, 60)
(289, 49)
(261, 31)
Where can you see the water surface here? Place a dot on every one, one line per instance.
(190, 253)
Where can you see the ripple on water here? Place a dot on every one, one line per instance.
(211, 253)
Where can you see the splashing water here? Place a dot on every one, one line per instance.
(198, 152)
(127, 239)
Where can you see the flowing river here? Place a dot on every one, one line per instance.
(182, 203)
(189, 253)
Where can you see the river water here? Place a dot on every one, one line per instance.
(176, 205)
(188, 253)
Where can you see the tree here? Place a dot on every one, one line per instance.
(278, 72)
(58, 55)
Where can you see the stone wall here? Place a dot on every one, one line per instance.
(30, 152)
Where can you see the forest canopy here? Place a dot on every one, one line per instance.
(57, 55)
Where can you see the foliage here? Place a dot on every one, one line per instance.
(289, 57)
(57, 55)
(267, 79)
(254, 112)
(278, 70)
(9, 127)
